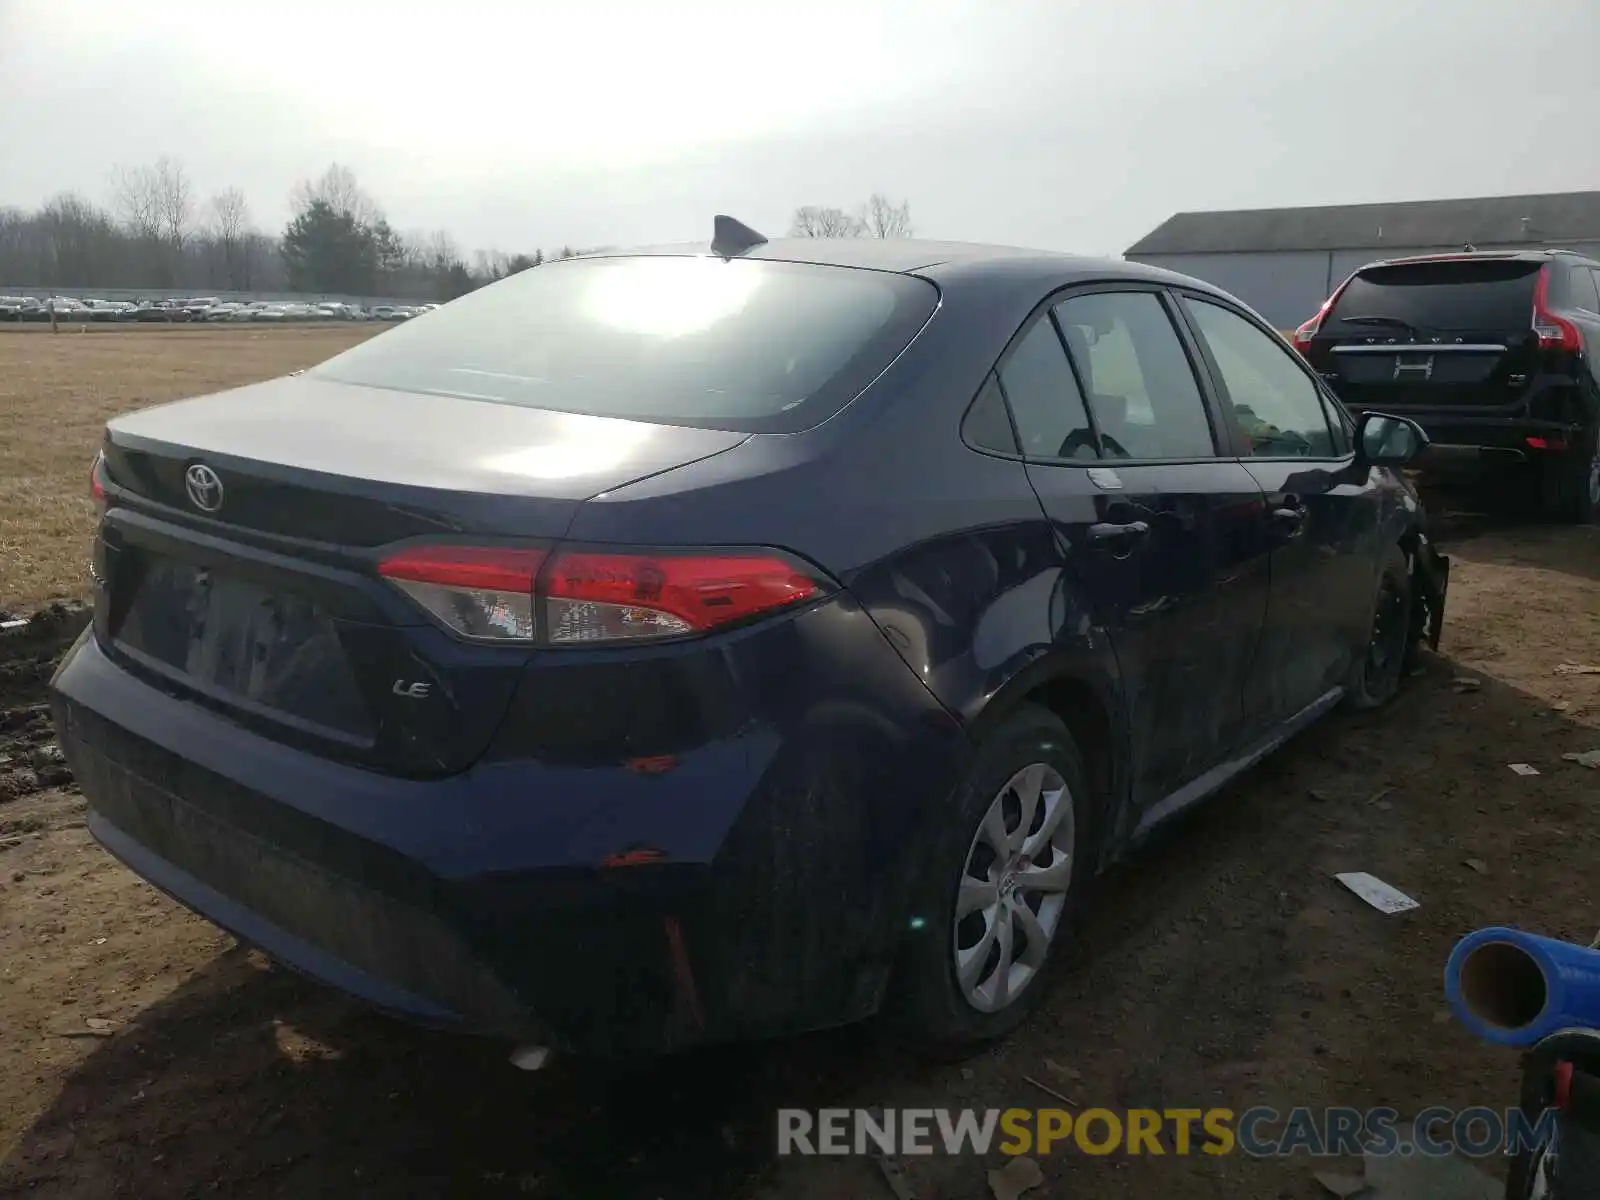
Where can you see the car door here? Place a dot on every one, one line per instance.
(1154, 523)
(1322, 511)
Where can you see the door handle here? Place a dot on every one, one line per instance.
(1109, 531)
(1289, 519)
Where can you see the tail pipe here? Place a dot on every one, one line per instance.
(1516, 989)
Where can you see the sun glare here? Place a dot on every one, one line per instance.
(669, 297)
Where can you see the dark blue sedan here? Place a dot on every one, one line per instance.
(680, 645)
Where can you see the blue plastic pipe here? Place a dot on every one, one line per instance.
(1516, 988)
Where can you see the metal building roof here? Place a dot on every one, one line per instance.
(1490, 220)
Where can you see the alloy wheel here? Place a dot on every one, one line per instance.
(1013, 887)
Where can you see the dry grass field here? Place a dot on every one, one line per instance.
(56, 393)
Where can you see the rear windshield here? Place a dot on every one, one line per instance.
(1491, 295)
(746, 345)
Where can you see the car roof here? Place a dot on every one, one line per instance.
(965, 262)
(1543, 254)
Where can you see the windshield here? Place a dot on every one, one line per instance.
(1441, 297)
(746, 345)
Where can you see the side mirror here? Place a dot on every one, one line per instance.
(1385, 441)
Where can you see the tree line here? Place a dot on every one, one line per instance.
(156, 233)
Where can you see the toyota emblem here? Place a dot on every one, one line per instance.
(204, 487)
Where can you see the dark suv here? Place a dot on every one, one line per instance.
(1491, 353)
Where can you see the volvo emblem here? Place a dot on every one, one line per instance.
(204, 487)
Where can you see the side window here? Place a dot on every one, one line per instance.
(1141, 387)
(1277, 406)
(1044, 397)
(986, 425)
(1581, 289)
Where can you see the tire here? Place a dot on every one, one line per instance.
(1570, 483)
(1381, 662)
(929, 1005)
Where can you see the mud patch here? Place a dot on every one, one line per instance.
(30, 759)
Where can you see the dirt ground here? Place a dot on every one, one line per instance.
(143, 1054)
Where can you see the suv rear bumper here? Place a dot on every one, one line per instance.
(1457, 438)
(496, 902)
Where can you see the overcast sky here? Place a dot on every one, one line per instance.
(1066, 124)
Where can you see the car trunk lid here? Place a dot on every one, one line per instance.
(237, 560)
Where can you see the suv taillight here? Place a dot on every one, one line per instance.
(1304, 334)
(97, 487)
(524, 595)
(1554, 332)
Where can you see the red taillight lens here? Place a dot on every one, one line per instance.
(1304, 334)
(494, 594)
(97, 487)
(1555, 333)
(625, 597)
(478, 591)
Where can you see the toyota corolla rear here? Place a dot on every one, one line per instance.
(354, 692)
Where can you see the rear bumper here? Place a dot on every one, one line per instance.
(495, 902)
(1460, 438)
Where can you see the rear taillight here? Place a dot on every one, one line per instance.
(587, 597)
(1554, 333)
(1304, 334)
(478, 591)
(97, 487)
(608, 597)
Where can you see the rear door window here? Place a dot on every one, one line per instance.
(1274, 401)
(986, 424)
(746, 345)
(1044, 397)
(1140, 384)
(1448, 296)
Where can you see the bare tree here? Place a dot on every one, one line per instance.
(337, 188)
(174, 197)
(883, 218)
(440, 252)
(228, 221)
(135, 195)
(156, 205)
(818, 222)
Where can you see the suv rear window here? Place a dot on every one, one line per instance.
(746, 344)
(1442, 297)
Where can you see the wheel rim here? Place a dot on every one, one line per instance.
(1387, 628)
(1013, 887)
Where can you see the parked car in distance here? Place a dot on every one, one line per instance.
(1495, 354)
(110, 310)
(672, 646)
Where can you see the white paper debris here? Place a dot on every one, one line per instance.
(1523, 768)
(1376, 892)
(1589, 758)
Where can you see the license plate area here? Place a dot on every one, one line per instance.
(274, 652)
